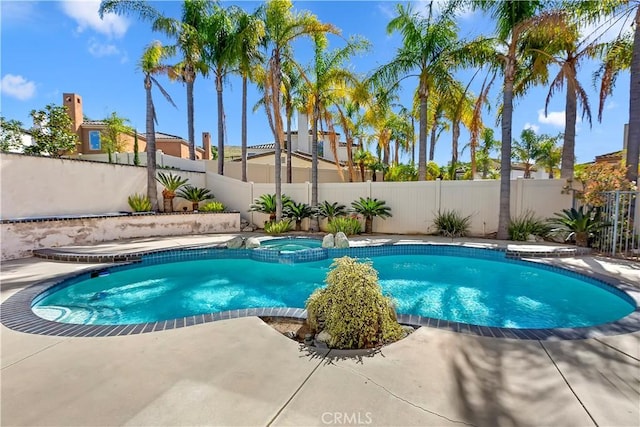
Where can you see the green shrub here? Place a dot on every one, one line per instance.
(212, 207)
(352, 308)
(452, 224)
(348, 225)
(522, 227)
(139, 203)
(277, 227)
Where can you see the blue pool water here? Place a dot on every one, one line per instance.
(476, 291)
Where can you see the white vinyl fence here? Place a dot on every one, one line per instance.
(162, 160)
(414, 205)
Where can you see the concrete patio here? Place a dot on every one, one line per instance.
(243, 372)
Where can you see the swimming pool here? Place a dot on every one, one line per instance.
(472, 286)
(290, 244)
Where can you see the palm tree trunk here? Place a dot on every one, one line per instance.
(313, 225)
(152, 189)
(454, 148)
(191, 131)
(413, 141)
(633, 141)
(349, 139)
(368, 225)
(422, 145)
(278, 178)
(432, 145)
(568, 146)
(289, 169)
(220, 125)
(244, 128)
(505, 161)
(396, 153)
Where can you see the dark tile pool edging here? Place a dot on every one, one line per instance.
(16, 312)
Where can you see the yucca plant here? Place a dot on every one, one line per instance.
(267, 205)
(348, 225)
(195, 195)
(370, 208)
(520, 228)
(298, 212)
(171, 184)
(330, 210)
(277, 227)
(139, 203)
(452, 224)
(579, 224)
(213, 206)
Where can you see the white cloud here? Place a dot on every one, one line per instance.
(610, 105)
(554, 118)
(15, 12)
(99, 50)
(387, 10)
(17, 87)
(85, 13)
(534, 128)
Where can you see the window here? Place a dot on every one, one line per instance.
(94, 140)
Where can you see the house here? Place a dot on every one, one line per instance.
(88, 132)
(301, 143)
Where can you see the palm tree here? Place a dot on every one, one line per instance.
(189, 33)
(247, 38)
(292, 82)
(151, 64)
(370, 208)
(623, 54)
(527, 150)
(428, 47)
(282, 28)
(483, 154)
(515, 20)
(549, 154)
(322, 81)
(195, 195)
(222, 58)
(362, 158)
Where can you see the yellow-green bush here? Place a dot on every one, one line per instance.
(352, 308)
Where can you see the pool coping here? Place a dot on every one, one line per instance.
(16, 312)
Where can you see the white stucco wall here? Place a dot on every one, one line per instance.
(21, 238)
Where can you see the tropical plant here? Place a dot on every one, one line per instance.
(52, 132)
(136, 156)
(139, 203)
(171, 184)
(370, 208)
(550, 155)
(283, 27)
(452, 224)
(520, 228)
(362, 158)
(526, 150)
(277, 227)
(111, 137)
(248, 35)
(298, 212)
(401, 173)
(517, 26)
(221, 54)
(213, 206)
(326, 77)
(10, 134)
(194, 194)
(597, 178)
(346, 224)
(487, 145)
(190, 34)
(429, 46)
(330, 210)
(352, 308)
(579, 224)
(266, 204)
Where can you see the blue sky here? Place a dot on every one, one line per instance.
(53, 47)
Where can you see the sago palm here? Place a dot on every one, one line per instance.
(195, 195)
(298, 212)
(171, 184)
(370, 208)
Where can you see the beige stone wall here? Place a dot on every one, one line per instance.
(20, 239)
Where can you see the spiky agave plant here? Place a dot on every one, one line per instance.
(171, 184)
(195, 195)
